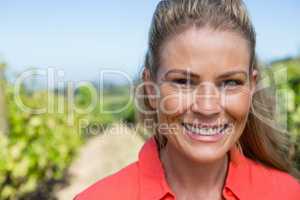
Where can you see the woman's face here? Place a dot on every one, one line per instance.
(205, 92)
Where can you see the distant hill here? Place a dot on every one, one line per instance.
(285, 60)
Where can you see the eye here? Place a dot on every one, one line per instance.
(231, 83)
(183, 81)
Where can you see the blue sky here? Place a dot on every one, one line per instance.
(82, 37)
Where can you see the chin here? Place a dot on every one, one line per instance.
(206, 154)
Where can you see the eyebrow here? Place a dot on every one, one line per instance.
(183, 72)
(231, 73)
(191, 74)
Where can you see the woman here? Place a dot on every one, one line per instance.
(199, 84)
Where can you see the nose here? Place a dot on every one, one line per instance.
(207, 100)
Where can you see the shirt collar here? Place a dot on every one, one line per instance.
(238, 177)
(153, 184)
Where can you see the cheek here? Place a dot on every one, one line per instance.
(174, 103)
(237, 105)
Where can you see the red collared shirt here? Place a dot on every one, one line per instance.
(145, 180)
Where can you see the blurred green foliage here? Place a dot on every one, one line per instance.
(288, 72)
(39, 147)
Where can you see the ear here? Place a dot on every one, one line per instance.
(150, 88)
(253, 80)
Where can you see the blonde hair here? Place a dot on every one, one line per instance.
(259, 141)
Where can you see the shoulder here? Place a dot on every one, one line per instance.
(284, 184)
(120, 185)
(273, 182)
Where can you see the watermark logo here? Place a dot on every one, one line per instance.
(205, 97)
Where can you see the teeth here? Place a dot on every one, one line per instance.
(205, 131)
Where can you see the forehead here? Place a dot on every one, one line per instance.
(203, 50)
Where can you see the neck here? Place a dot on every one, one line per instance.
(184, 175)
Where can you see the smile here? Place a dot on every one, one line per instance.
(206, 130)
